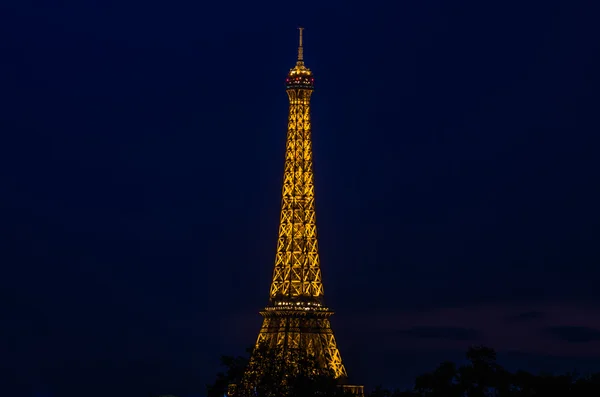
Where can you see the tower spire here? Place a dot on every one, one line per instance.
(300, 48)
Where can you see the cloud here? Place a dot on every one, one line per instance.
(562, 329)
(448, 333)
(574, 334)
(526, 316)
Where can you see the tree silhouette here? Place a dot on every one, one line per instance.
(444, 381)
(275, 372)
(236, 366)
(483, 377)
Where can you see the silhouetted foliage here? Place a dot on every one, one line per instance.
(273, 373)
(236, 366)
(484, 377)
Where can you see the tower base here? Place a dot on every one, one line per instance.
(358, 391)
(305, 327)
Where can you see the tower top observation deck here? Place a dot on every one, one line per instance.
(300, 77)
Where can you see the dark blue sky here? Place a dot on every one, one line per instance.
(141, 163)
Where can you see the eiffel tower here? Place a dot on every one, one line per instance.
(296, 317)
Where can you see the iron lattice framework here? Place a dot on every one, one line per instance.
(296, 317)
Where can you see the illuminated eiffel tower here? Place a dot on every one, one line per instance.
(296, 317)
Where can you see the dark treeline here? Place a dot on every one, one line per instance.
(271, 374)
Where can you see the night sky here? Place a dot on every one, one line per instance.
(141, 164)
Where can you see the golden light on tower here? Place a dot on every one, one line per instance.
(296, 317)
(297, 271)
